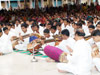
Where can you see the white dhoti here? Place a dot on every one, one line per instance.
(72, 69)
(21, 46)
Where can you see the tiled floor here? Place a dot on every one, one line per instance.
(20, 64)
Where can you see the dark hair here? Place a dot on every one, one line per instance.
(54, 27)
(8, 24)
(34, 26)
(79, 24)
(65, 32)
(79, 33)
(1, 24)
(0, 30)
(96, 33)
(50, 24)
(30, 20)
(82, 22)
(90, 22)
(58, 24)
(24, 25)
(5, 28)
(98, 23)
(92, 26)
(67, 20)
(18, 20)
(46, 31)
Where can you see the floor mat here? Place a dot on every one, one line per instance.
(28, 53)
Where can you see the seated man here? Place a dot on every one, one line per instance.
(5, 43)
(22, 43)
(56, 52)
(89, 38)
(80, 61)
(96, 49)
(53, 31)
(47, 38)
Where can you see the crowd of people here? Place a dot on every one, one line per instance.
(77, 25)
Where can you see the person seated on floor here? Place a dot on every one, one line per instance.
(53, 31)
(80, 61)
(48, 40)
(55, 52)
(96, 49)
(22, 43)
(89, 38)
(5, 43)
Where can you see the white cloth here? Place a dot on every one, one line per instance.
(70, 29)
(12, 33)
(86, 30)
(18, 29)
(91, 41)
(23, 44)
(41, 29)
(56, 33)
(98, 44)
(80, 62)
(62, 26)
(96, 61)
(5, 44)
(95, 23)
(29, 29)
(63, 45)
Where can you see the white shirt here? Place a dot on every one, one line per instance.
(29, 29)
(23, 44)
(56, 33)
(91, 41)
(18, 29)
(95, 23)
(12, 33)
(5, 44)
(41, 29)
(81, 58)
(98, 44)
(26, 40)
(70, 29)
(69, 42)
(86, 30)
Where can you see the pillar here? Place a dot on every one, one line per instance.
(31, 5)
(56, 3)
(9, 3)
(6, 7)
(0, 5)
(42, 3)
(19, 5)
